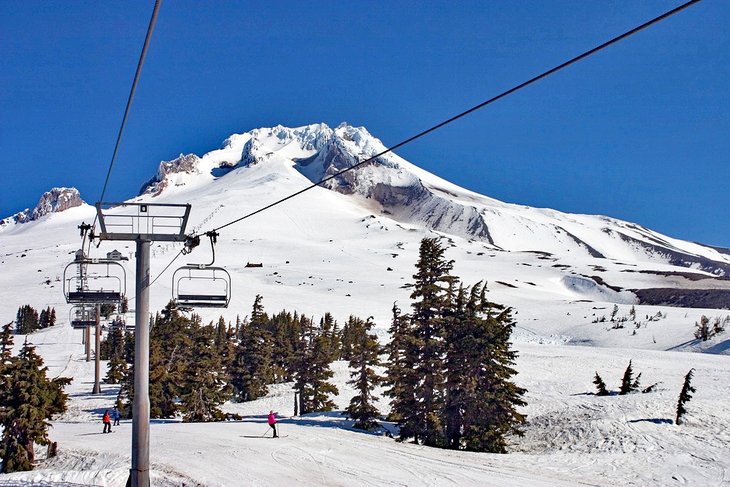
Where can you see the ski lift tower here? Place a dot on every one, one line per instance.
(142, 223)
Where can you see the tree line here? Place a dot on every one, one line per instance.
(448, 365)
(28, 320)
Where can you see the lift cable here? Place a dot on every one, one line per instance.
(473, 109)
(131, 97)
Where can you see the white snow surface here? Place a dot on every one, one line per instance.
(329, 252)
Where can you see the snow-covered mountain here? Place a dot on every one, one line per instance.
(391, 186)
(380, 211)
(590, 293)
(54, 201)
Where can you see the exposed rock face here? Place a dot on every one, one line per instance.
(54, 201)
(184, 164)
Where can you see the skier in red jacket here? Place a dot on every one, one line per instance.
(272, 422)
(107, 422)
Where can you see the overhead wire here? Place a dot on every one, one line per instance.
(137, 73)
(133, 89)
(479, 106)
(472, 109)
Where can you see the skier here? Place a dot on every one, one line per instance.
(115, 416)
(107, 422)
(272, 422)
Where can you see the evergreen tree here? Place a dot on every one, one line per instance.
(684, 396)
(459, 339)
(106, 310)
(284, 329)
(330, 336)
(401, 378)
(312, 370)
(223, 341)
(614, 312)
(52, 317)
(251, 370)
(114, 349)
(492, 399)
(431, 296)
(170, 343)
(365, 357)
(6, 342)
(44, 319)
(6, 357)
(703, 331)
(348, 336)
(27, 402)
(27, 320)
(600, 386)
(628, 383)
(321, 371)
(205, 386)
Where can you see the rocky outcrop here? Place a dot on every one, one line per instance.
(184, 164)
(54, 201)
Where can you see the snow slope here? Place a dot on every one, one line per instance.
(572, 438)
(350, 248)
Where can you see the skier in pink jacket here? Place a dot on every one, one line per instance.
(272, 422)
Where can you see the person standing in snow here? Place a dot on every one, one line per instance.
(107, 422)
(272, 422)
(115, 416)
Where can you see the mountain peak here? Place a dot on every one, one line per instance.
(54, 201)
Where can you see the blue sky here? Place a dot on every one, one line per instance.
(638, 132)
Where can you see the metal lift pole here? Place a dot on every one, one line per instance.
(139, 474)
(142, 223)
(87, 341)
(97, 361)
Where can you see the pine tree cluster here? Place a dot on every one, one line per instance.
(450, 363)
(29, 320)
(194, 368)
(28, 400)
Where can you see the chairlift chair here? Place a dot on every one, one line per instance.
(109, 278)
(83, 317)
(201, 285)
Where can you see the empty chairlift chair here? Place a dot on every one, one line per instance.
(82, 317)
(94, 281)
(201, 285)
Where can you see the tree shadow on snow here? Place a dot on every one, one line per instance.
(652, 420)
(328, 419)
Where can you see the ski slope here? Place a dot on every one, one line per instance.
(341, 253)
(572, 438)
